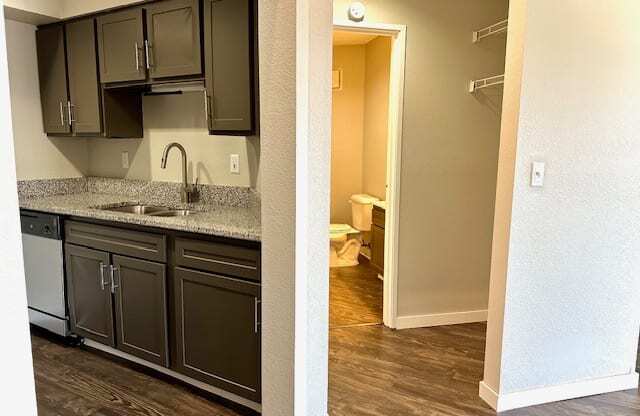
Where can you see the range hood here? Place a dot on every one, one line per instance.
(176, 87)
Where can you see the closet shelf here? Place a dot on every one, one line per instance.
(479, 84)
(494, 29)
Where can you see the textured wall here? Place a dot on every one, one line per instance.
(449, 151)
(37, 156)
(15, 350)
(572, 291)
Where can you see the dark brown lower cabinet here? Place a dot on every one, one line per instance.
(89, 293)
(141, 308)
(218, 331)
(118, 301)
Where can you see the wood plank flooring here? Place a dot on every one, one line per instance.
(355, 295)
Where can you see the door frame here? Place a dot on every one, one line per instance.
(398, 35)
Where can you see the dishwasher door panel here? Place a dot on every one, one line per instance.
(44, 273)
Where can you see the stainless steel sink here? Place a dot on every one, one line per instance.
(137, 209)
(152, 210)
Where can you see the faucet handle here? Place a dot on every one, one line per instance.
(197, 180)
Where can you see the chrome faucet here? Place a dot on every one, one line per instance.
(189, 192)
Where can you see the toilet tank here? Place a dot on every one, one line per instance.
(361, 208)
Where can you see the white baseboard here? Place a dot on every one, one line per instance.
(542, 395)
(454, 318)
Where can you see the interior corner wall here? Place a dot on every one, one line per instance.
(449, 151)
(37, 156)
(17, 379)
(375, 133)
(347, 131)
(572, 298)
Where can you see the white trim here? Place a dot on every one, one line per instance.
(398, 34)
(211, 389)
(453, 318)
(542, 395)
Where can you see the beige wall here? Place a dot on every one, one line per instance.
(180, 118)
(376, 111)
(347, 130)
(449, 151)
(37, 156)
(359, 128)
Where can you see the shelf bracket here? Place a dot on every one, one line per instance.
(494, 29)
(479, 84)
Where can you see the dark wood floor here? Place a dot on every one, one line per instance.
(355, 295)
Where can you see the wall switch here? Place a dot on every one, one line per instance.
(234, 164)
(125, 160)
(537, 174)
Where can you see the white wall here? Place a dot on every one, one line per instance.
(178, 118)
(37, 156)
(17, 379)
(295, 81)
(449, 155)
(571, 287)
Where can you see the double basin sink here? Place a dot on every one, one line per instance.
(152, 210)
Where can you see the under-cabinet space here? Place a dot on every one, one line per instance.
(218, 331)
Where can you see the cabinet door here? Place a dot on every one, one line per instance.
(52, 73)
(229, 64)
(141, 308)
(173, 33)
(377, 248)
(84, 90)
(218, 331)
(88, 288)
(121, 46)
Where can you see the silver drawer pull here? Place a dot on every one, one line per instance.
(137, 57)
(147, 53)
(256, 323)
(61, 114)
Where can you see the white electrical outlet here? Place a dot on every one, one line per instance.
(234, 164)
(125, 160)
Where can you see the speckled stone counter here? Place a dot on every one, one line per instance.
(235, 215)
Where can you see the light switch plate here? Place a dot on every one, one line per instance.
(234, 164)
(125, 160)
(537, 174)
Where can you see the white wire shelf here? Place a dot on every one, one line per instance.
(479, 84)
(494, 29)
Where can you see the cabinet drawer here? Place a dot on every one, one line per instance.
(117, 240)
(219, 258)
(378, 216)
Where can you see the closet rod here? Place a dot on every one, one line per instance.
(479, 84)
(494, 29)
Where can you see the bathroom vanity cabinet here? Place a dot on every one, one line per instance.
(186, 302)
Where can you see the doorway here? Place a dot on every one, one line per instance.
(368, 83)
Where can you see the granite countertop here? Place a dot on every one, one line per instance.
(242, 222)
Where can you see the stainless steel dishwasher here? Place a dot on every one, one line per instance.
(44, 271)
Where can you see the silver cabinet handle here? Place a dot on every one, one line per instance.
(147, 54)
(256, 323)
(114, 286)
(61, 114)
(69, 105)
(137, 57)
(206, 107)
(103, 282)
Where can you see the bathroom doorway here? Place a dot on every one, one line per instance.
(368, 79)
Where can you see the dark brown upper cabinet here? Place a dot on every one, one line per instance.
(229, 65)
(172, 48)
(52, 71)
(84, 89)
(121, 46)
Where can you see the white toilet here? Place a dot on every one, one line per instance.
(346, 240)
